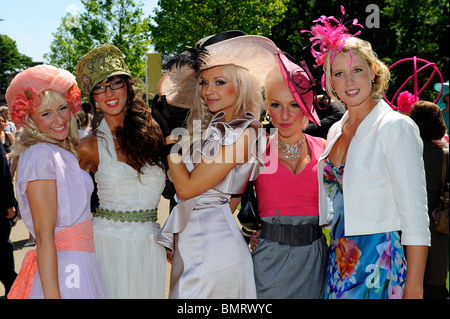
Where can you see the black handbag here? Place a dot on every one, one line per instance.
(248, 214)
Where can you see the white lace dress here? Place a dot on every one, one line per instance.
(132, 264)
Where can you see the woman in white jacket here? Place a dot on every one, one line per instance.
(381, 203)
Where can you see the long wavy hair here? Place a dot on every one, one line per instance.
(31, 134)
(140, 137)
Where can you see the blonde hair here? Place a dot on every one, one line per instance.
(249, 98)
(275, 76)
(31, 134)
(364, 50)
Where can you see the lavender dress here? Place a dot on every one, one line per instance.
(77, 270)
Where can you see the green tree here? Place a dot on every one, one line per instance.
(119, 22)
(419, 28)
(11, 61)
(63, 52)
(181, 23)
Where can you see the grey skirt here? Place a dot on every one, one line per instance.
(285, 272)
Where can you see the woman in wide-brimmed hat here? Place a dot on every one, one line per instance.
(52, 191)
(125, 153)
(220, 81)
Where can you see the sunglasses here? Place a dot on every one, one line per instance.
(115, 85)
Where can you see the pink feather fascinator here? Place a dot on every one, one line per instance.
(330, 35)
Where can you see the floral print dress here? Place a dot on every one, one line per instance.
(365, 266)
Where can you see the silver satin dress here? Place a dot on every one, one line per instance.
(210, 258)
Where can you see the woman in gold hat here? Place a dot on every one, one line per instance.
(124, 151)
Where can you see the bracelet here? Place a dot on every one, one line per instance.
(170, 149)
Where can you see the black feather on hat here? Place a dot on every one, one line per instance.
(195, 57)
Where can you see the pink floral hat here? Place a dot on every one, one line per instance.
(22, 95)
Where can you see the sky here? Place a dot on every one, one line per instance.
(31, 23)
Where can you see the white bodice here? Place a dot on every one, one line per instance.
(119, 186)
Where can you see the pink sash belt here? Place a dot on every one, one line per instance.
(78, 237)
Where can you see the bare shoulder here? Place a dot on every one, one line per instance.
(88, 152)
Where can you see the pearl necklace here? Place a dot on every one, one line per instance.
(291, 151)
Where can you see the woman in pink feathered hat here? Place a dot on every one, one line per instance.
(372, 171)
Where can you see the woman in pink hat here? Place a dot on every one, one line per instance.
(53, 192)
(372, 171)
(290, 255)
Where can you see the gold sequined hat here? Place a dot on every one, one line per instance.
(100, 63)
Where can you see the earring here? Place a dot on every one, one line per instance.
(265, 121)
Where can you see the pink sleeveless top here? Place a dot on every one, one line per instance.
(285, 191)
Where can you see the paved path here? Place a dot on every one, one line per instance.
(19, 236)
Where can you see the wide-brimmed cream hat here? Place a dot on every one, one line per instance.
(252, 52)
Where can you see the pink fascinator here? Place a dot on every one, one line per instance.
(301, 85)
(22, 95)
(330, 35)
(405, 99)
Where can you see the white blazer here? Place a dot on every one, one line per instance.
(384, 178)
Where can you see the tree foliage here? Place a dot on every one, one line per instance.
(119, 22)
(417, 28)
(11, 61)
(181, 23)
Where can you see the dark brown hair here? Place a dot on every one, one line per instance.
(429, 119)
(140, 138)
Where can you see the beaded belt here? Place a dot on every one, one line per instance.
(133, 216)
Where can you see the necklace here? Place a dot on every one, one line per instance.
(291, 151)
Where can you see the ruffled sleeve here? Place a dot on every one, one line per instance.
(218, 134)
